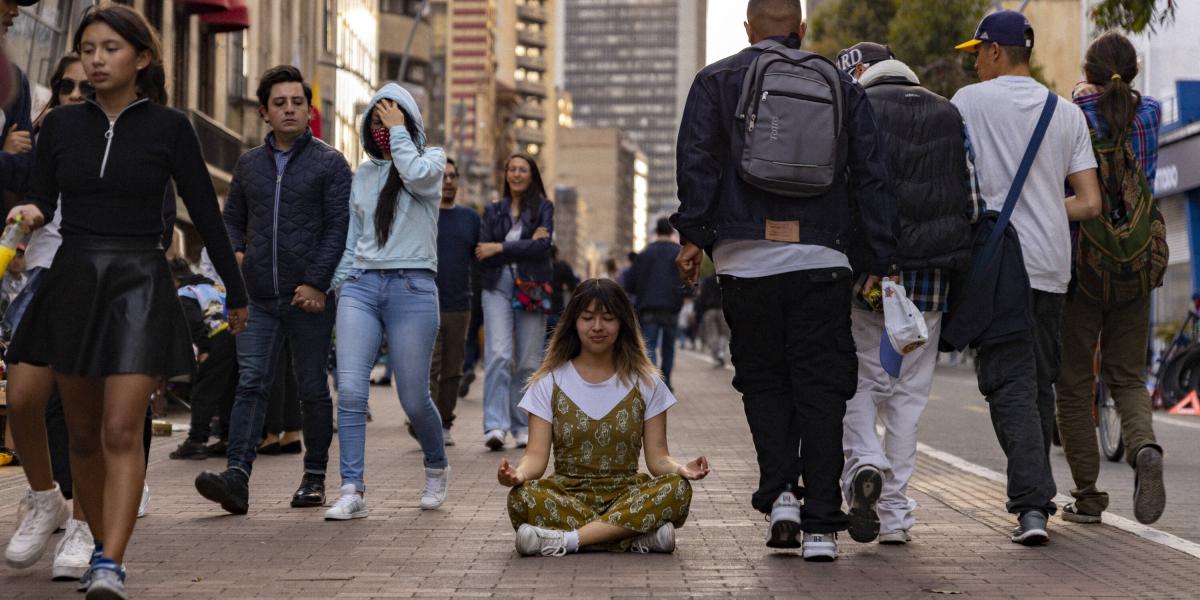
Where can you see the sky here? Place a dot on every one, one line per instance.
(725, 33)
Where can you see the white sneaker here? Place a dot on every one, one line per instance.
(494, 439)
(522, 439)
(349, 506)
(73, 555)
(659, 540)
(447, 438)
(820, 547)
(532, 541)
(144, 505)
(785, 522)
(895, 537)
(437, 484)
(44, 513)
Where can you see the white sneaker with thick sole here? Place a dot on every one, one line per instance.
(534, 541)
(522, 439)
(144, 505)
(820, 547)
(73, 555)
(659, 540)
(494, 439)
(784, 530)
(44, 512)
(349, 506)
(437, 485)
(895, 537)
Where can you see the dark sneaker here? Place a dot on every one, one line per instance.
(190, 450)
(864, 496)
(1149, 494)
(219, 449)
(229, 489)
(310, 493)
(1071, 514)
(1031, 530)
(784, 530)
(464, 386)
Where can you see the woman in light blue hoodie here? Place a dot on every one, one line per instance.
(386, 286)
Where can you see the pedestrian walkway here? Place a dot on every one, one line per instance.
(187, 548)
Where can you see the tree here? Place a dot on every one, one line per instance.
(1133, 15)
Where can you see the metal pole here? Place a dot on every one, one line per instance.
(412, 35)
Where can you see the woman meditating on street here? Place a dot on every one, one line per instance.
(595, 399)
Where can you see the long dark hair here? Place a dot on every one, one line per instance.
(532, 199)
(629, 351)
(60, 71)
(1111, 63)
(389, 197)
(131, 25)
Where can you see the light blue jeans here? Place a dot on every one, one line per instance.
(514, 346)
(402, 304)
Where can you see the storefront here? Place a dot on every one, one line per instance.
(1177, 190)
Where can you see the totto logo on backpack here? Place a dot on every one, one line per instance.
(1122, 254)
(788, 137)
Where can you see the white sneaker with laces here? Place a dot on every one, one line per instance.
(437, 485)
(144, 505)
(895, 537)
(659, 540)
(44, 513)
(522, 439)
(73, 555)
(820, 547)
(447, 438)
(785, 522)
(494, 439)
(534, 541)
(349, 506)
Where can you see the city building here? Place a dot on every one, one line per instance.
(628, 64)
(604, 167)
(412, 34)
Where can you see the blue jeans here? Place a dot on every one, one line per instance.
(661, 326)
(402, 304)
(514, 348)
(16, 308)
(258, 348)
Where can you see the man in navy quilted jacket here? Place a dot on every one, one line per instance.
(287, 214)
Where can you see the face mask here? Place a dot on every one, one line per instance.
(383, 139)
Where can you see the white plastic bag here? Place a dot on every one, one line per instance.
(905, 325)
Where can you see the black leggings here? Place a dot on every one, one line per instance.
(60, 443)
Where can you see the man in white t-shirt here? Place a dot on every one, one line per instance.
(1001, 114)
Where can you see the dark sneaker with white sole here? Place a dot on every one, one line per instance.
(865, 490)
(1149, 494)
(1031, 530)
(784, 531)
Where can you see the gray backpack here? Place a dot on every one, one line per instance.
(788, 137)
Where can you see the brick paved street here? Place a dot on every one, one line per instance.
(188, 548)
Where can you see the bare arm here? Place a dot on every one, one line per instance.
(536, 458)
(1085, 204)
(658, 456)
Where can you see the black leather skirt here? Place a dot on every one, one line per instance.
(108, 306)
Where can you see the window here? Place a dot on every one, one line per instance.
(182, 37)
(154, 13)
(208, 73)
(401, 7)
(237, 65)
(39, 37)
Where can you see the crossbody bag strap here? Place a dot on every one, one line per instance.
(1018, 183)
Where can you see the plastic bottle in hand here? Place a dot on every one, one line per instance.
(13, 236)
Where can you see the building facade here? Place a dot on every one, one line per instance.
(603, 166)
(628, 64)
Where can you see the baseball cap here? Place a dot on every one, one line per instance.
(1004, 27)
(863, 53)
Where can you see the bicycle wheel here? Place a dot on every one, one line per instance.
(1109, 424)
(1176, 380)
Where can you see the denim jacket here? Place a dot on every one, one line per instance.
(715, 203)
(530, 258)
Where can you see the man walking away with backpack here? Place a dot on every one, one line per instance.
(1122, 255)
(935, 190)
(1017, 371)
(777, 231)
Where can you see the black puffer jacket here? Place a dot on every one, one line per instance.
(926, 161)
(292, 228)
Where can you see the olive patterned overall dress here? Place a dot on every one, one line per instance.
(596, 475)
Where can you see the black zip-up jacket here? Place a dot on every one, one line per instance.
(529, 257)
(654, 279)
(715, 203)
(112, 178)
(291, 227)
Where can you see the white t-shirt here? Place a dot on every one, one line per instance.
(514, 234)
(764, 258)
(1001, 115)
(595, 399)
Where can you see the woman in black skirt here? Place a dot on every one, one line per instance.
(107, 319)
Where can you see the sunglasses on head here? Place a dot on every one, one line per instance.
(67, 85)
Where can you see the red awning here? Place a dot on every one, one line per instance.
(203, 6)
(235, 18)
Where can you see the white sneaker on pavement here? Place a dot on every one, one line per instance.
(895, 537)
(437, 485)
(820, 547)
(73, 555)
(349, 506)
(144, 505)
(447, 438)
(785, 522)
(534, 541)
(522, 439)
(659, 540)
(44, 512)
(494, 439)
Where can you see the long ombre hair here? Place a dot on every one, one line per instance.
(629, 351)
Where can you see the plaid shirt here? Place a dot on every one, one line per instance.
(930, 288)
(1145, 130)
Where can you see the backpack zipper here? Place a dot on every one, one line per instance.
(796, 96)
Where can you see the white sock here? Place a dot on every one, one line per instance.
(572, 539)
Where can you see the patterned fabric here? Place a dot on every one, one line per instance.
(596, 476)
(1144, 134)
